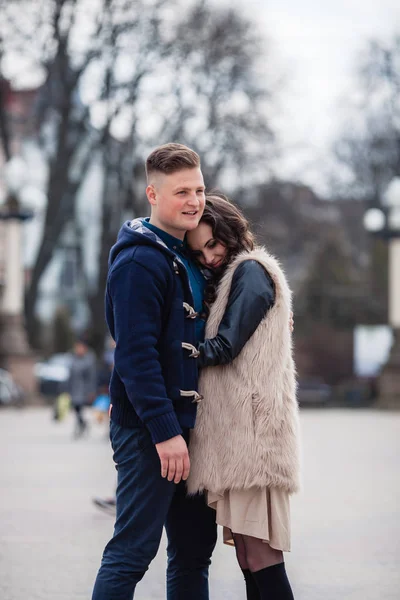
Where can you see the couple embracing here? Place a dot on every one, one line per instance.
(204, 418)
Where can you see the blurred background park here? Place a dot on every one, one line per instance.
(295, 111)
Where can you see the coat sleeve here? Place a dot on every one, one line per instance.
(252, 295)
(138, 304)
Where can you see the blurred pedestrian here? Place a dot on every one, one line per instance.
(82, 382)
(244, 449)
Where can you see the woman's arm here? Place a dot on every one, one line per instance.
(252, 295)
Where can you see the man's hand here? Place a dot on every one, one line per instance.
(174, 457)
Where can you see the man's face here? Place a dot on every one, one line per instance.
(177, 201)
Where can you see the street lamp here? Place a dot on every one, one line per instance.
(15, 354)
(385, 223)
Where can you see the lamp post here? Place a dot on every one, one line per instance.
(386, 224)
(15, 354)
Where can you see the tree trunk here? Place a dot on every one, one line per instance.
(113, 199)
(4, 128)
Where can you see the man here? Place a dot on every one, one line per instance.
(154, 300)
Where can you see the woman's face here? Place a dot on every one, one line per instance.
(206, 249)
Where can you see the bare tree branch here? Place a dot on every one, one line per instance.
(370, 148)
(190, 78)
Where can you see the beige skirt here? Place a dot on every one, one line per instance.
(263, 513)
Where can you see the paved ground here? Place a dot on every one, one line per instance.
(346, 523)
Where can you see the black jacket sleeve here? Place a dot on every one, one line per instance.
(252, 295)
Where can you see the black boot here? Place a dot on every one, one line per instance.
(252, 592)
(273, 583)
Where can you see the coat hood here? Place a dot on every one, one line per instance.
(135, 233)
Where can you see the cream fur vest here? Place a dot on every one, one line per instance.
(247, 427)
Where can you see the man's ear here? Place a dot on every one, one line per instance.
(151, 194)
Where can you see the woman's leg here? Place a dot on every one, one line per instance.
(252, 592)
(260, 555)
(268, 569)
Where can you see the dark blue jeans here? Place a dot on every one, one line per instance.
(145, 503)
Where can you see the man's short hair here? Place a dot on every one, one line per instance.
(171, 158)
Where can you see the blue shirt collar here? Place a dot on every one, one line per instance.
(169, 240)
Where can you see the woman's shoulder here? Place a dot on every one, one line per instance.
(270, 263)
(252, 270)
(251, 265)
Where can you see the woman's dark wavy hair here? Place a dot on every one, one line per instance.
(229, 226)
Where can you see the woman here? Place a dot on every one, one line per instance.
(244, 450)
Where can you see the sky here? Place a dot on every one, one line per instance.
(316, 43)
